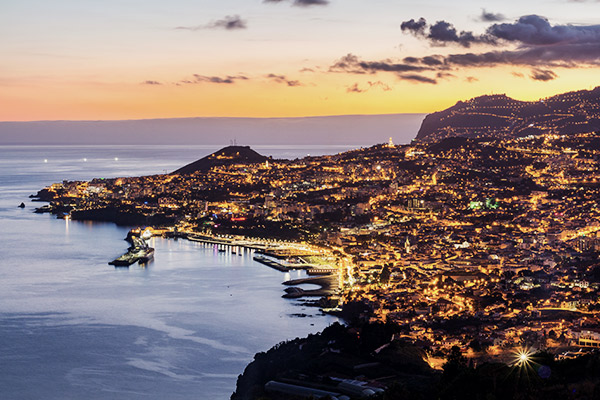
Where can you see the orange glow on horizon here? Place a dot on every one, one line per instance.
(319, 94)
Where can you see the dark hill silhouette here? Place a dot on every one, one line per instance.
(226, 156)
(499, 116)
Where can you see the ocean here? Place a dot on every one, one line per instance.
(73, 327)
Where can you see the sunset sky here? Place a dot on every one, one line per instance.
(133, 59)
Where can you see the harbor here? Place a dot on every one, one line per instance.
(281, 256)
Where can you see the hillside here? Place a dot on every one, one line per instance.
(226, 156)
(500, 116)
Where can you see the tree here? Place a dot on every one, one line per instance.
(386, 272)
(455, 364)
(475, 345)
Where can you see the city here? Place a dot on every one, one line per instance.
(300, 199)
(476, 243)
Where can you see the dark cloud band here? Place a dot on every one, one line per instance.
(539, 44)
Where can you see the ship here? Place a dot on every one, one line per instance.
(138, 252)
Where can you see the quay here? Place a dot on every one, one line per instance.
(322, 271)
(224, 241)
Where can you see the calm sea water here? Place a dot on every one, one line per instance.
(73, 327)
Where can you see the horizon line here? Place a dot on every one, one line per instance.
(212, 117)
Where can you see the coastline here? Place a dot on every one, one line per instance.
(136, 292)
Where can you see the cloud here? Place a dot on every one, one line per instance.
(348, 63)
(283, 79)
(151, 83)
(352, 64)
(306, 3)
(417, 28)
(229, 23)
(371, 85)
(539, 44)
(302, 3)
(531, 42)
(442, 33)
(374, 66)
(536, 30)
(528, 30)
(383, 86)
(444, 66)
(444, 75)
(543, 75)
(428, 60)
(471, 79)
(418, 78)
(432, 60)
(355, 89)
(216, 79)
(490, 17)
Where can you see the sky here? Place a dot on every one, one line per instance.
(136, 59)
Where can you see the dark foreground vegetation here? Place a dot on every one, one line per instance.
(373, 354)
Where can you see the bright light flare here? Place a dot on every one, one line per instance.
(523, 357)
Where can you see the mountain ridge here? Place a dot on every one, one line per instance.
(500, 116)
